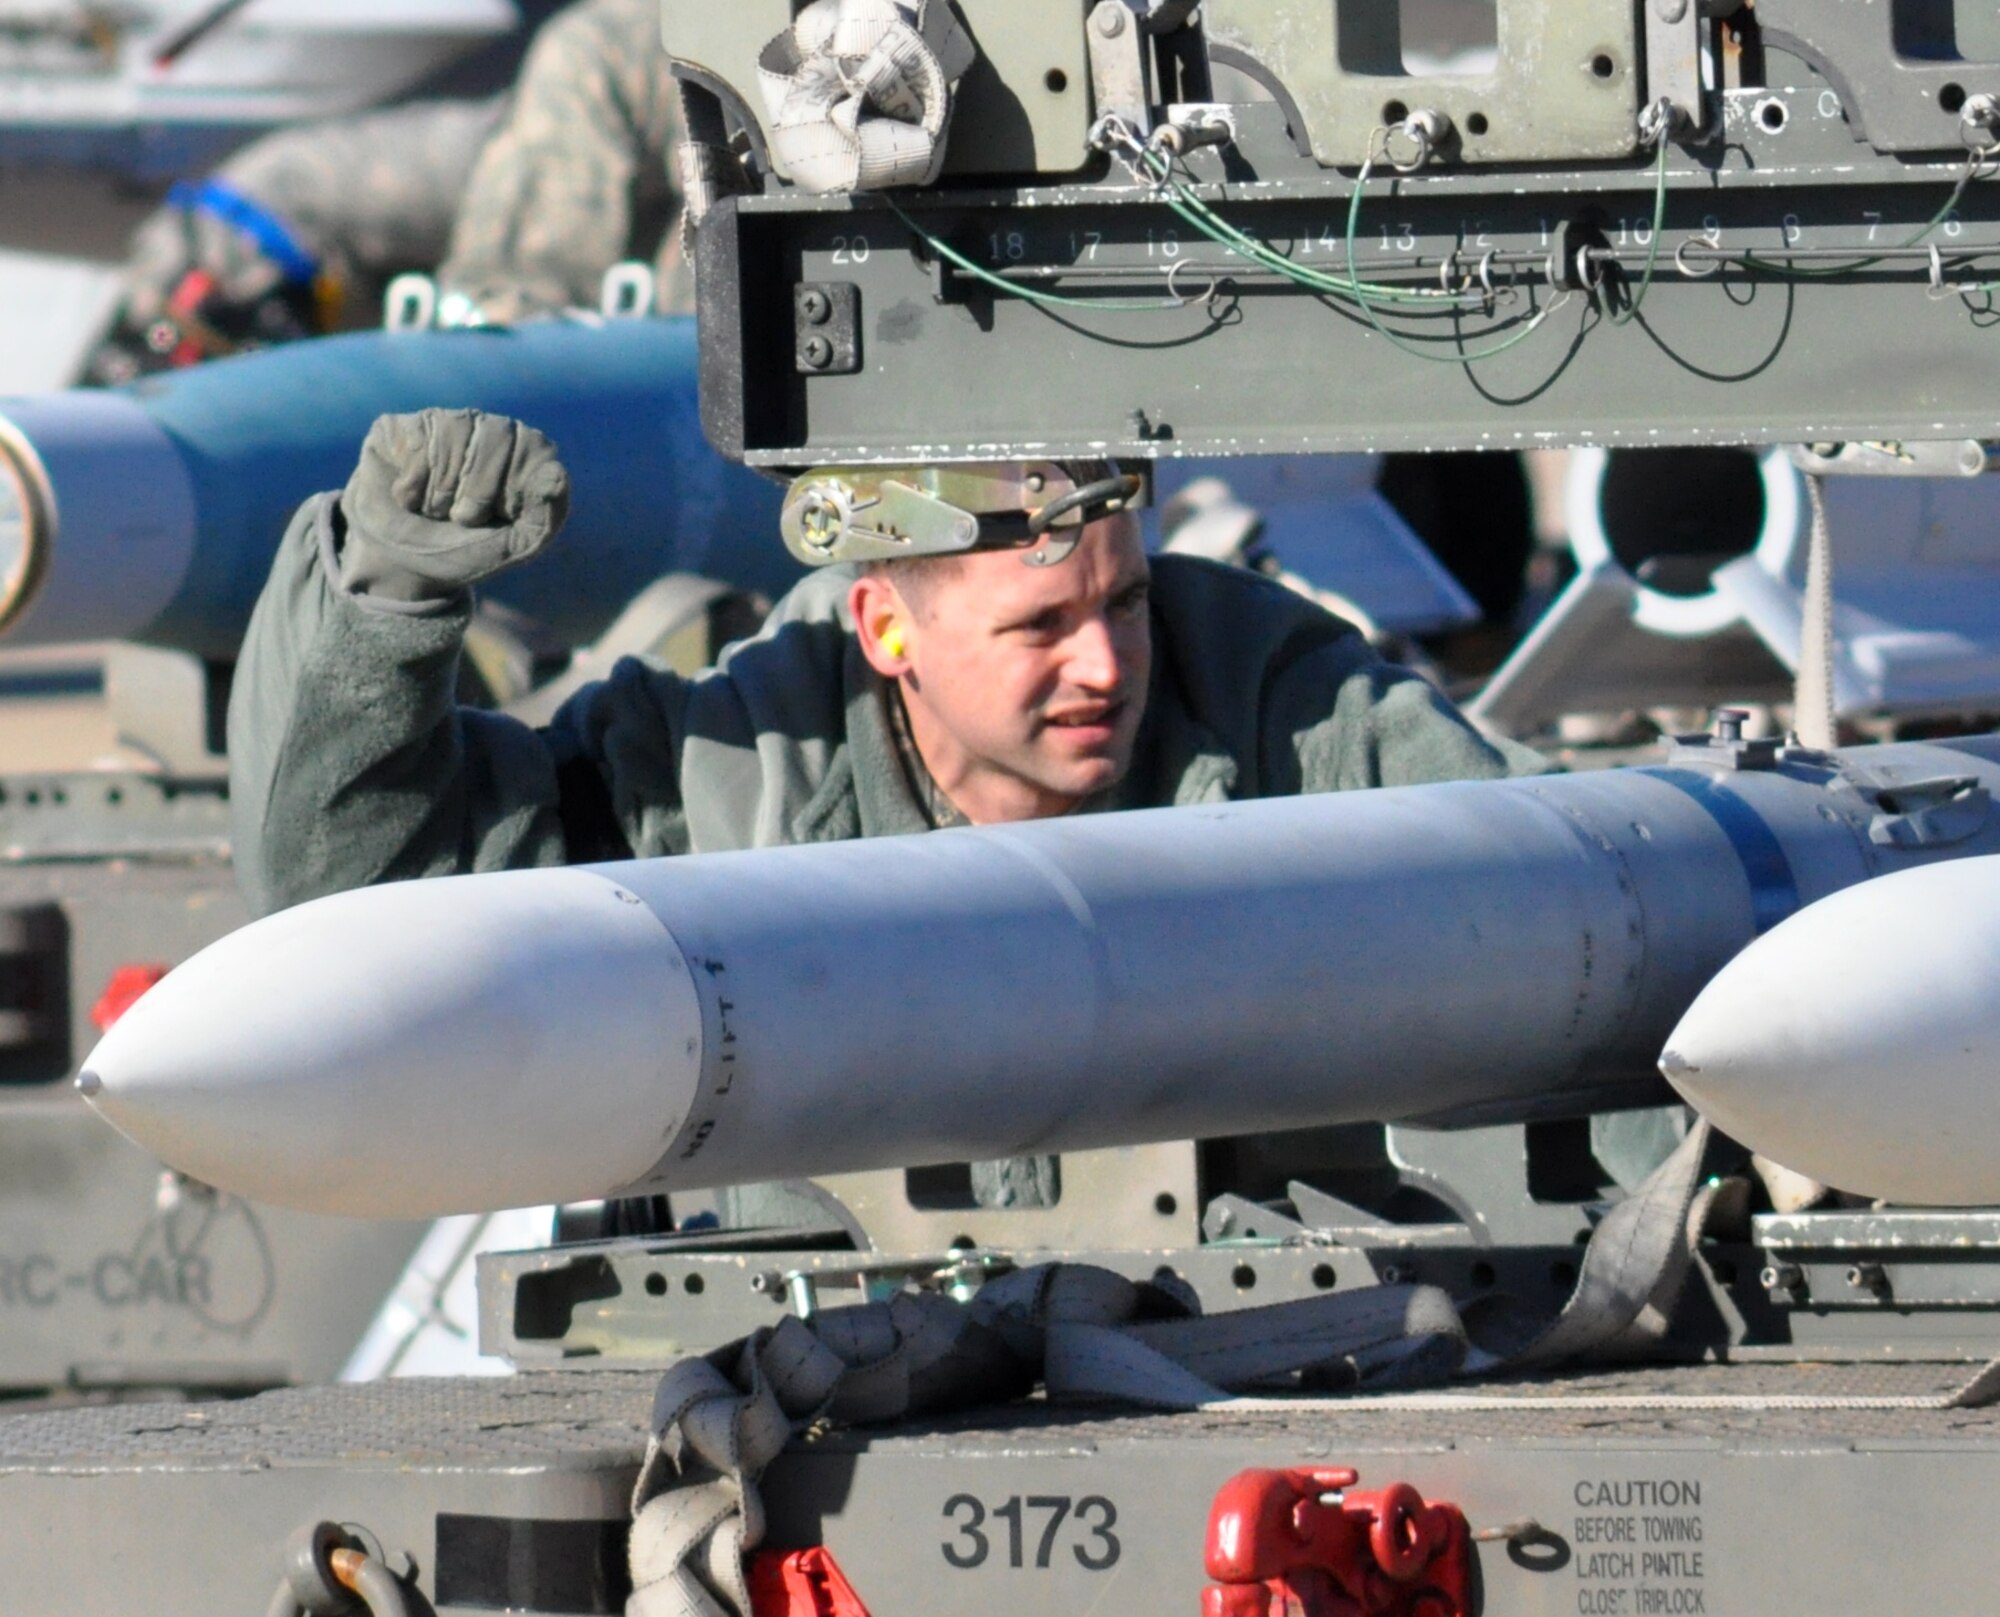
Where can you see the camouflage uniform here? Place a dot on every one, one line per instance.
(369, 196)
(577, 179)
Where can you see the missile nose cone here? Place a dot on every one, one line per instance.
(1859, 1041)
(416, 1049)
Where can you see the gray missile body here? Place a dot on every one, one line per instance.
(152, 512)
(1487, 950)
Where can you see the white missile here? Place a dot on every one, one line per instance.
(1859, 1042)
(1500, 950)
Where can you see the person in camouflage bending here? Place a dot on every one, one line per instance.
(296, 235)
(519, 204)
(579, 175)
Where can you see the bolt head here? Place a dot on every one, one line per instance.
(817, 353)
(816, 306)
(1111, 19)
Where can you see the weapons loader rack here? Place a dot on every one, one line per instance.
(1251, 227)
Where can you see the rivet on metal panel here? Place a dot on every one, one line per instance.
(826, 317)
(1869, 1277)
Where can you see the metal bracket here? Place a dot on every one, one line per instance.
(1166, 16)
(1958, 457)
(1930, 813)
(1894, 102)
(1566, 85)
(826, 319)
(1674, 40)
(1121, 77)
(1727, 748)
(1137, 1197)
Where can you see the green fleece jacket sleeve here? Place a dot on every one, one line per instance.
(351, 763)
(1341, 719)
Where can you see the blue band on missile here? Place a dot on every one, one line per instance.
(1774, 890)
(242, 213)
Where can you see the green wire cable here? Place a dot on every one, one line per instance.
(1000, 283)
(1367, 296)
(1183, 201)
(1408, 346)
(1631, 312)
(1219, 230)
(1772, 266)
(1057, 300)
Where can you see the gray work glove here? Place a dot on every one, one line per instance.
(445, 498)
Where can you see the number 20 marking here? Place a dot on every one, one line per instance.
(850, 249)
(1095, 1515)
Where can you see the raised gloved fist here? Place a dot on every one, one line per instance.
(445, 498)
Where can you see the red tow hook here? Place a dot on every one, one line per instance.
(122, 992)
(1301, 1543)
(800, 1583)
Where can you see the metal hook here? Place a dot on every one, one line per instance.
(1937, 291)
(1111, 131)
(1589, 271)
(1485, 274)
(1182, 299)
(1981, 112)
(1657, 121)
(1681, 261)
(1419, 134)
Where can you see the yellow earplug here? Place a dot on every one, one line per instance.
(892, 640)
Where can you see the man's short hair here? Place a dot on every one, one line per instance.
(917, 579)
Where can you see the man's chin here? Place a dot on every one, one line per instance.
(1083, 777)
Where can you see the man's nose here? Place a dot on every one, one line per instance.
(1093, 662)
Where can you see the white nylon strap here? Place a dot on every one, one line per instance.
(1084, 1332)
(719, 1421)
(859, 92)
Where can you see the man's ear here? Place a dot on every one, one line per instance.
(881, 623)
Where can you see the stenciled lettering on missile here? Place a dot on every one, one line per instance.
(1640, 1547)
(191, 1260)
(725, 1058)
(1031, 1533)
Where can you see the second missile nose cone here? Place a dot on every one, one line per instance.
(413, 1050)
(1859, 1041)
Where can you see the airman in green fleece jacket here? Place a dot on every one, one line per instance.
(1049, 668)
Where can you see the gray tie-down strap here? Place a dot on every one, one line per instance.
(1632, 1273)
(1084, 1333)
(859, 92)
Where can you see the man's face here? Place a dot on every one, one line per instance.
(1024, 685)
